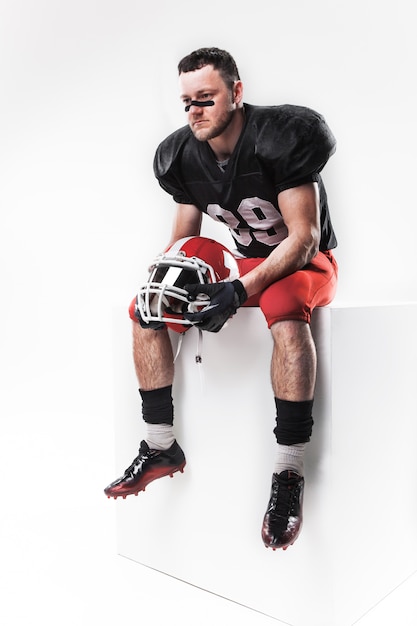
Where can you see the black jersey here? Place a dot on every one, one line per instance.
(279, 147)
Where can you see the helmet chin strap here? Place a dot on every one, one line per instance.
(198, 103)
(198, 356)
(180, 338)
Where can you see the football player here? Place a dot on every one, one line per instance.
(257, 170)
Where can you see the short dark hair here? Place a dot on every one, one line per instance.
(219, 59)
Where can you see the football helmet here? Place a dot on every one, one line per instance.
(191, 260)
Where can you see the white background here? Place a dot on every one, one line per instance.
(88, 89)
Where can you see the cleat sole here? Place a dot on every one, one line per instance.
(170, 473)
(274, 548)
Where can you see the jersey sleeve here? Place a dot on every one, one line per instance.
(167, 168)
(294, 143)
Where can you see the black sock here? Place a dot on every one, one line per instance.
(294, 421)
(157, 406)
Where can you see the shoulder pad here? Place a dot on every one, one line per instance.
(295, 141)
(168, 151)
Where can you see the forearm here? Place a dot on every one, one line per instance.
(300, 209)
(291, 255)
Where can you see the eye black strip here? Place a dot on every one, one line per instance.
(197, 103)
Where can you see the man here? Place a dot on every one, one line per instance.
(257, 170)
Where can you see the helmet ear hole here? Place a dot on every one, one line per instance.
(192, 260)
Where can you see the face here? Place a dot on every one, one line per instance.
(207, 84)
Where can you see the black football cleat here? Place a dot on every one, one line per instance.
(284, 515)
(146, 467)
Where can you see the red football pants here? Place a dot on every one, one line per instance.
(295, 296)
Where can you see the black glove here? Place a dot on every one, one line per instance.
(225, 299)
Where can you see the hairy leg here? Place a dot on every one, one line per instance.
(153, 357)
(294, 361)
(293, 374)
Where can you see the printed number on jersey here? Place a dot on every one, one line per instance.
(259, 220)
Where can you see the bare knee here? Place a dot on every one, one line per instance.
(291, 332)
(293, 366)
(153, 357)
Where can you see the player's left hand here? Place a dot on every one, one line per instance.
(223, 301)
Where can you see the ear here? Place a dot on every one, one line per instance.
(238, 92)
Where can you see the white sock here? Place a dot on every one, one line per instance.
(290, 458)
(159, 436)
